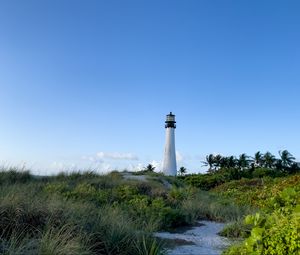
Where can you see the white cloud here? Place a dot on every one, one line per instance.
(157, 165)
(116, 156)
(105, 167)
(108, 161)
(141, 166)
(93, 159)
(100, 167)
(135, 168)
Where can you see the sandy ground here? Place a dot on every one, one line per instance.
(130, 176)
(144, 178)
(200, 240)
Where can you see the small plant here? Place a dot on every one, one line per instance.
(236, 229)
(145, 245)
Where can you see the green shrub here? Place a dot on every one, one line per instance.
(262, 172)
(205, 181)
(257, 192)
(236, 229)
(58, 187)
(274, 232)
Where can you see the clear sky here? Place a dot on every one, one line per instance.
(88, 83)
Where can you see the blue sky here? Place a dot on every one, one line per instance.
(88, 83)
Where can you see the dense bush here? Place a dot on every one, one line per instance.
(211, 180)
(258, 192)
(205, 181)
(277, 231)
(237, 229)
(276, 228)
(264, 172)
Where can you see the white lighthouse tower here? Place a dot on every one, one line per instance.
(169, 165)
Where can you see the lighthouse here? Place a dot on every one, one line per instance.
(169, 165)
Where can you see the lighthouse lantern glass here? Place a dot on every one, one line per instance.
(170, 117)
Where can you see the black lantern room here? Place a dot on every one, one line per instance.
(170, 121)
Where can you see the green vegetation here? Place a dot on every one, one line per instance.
(284, 164)
(257, 192)
(268, 184)
(276, 228)
(86, 213)
(224, 169)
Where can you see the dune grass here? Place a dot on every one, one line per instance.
(87, 213)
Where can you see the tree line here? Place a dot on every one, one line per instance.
(285, 163)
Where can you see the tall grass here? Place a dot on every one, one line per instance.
(62, 241)
(86, 213)
(34, 220)
(205, 205)
(13, 175)
(17, 243)
(148, 246)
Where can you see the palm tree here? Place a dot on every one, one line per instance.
(243, 161)
(258, 159)
(182, 170)
(149, 168)
(269, 160)
(228, 162)
(217, 161)
(210, 160)
(224, 162)
(286, 158)
(232, 162)
(278, 164)
(295, 167)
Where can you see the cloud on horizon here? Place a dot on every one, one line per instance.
(116, 156)
(101, 156)
(109, 161)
